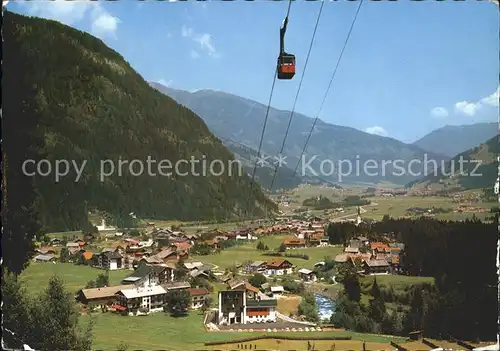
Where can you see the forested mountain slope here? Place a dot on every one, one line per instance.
(479, 166)
(81, 101)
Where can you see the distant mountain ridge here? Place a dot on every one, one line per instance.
(452, 140)
(479, 166)
(232, 117)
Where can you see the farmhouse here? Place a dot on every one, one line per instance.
(47, 250)
(198, 297)
(375, 266)
(294, 243)
(256, 266)
(277, 290)
(99, 297)
(45, 258)
(307, 275)
(279, 267)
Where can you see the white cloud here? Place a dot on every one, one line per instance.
(104, 23)
(72, 12)
(376, 130)
(439, 112)
(492, 100)
(204, 40)
(165, 83)
(468, 108)
(471, 108)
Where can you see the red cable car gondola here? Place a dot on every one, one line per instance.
(286, 62)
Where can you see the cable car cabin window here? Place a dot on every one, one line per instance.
(286, 66)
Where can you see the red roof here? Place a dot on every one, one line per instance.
(198, 291)
(379, 246)
(118, 307)
(276, 263)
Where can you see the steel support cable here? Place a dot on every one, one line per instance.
(266, 117)
(297, 94)
(328, 88)
(268, 108)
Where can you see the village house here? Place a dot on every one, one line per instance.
(70, 245)
(318, 239)
(243, 303)
(256, 267)
(99, 297)
(73, 251)
(379, 248)
(279, 267)
(198, 296)
(307, 275)
(375, 266)
(146, 275)
(294, 243)
(111, 260)
(277, 291)
(44, 258)
(55, 242)
(146, 289)
(246, 236)
(47, 250)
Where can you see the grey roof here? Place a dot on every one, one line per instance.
(111, 255)
(377, 263)
(305, 271)
(44, 257)
(235, 283)
(142, 271)
(195, 273)
(257, 263)
(176, 285)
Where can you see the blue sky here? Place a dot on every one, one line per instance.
(409, 67)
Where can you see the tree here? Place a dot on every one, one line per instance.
(349, 278)
(207, 302)
(282, 247)
(90, 284)
(102, 280)
(177, 302)
(375, 290)
(49, 321)
(266, 248)
(64, 255)
(16, 305)
(202, 283)
(260, 246)
(257, 280)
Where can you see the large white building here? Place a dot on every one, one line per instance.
(243, 304)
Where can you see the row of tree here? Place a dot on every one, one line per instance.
(460, 256)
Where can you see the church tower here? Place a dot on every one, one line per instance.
(358, 219)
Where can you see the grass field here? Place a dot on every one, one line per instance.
(160, 331)
(288, 304)
(248, 252)
(37, 275)
(397, 206)
(398, 282)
